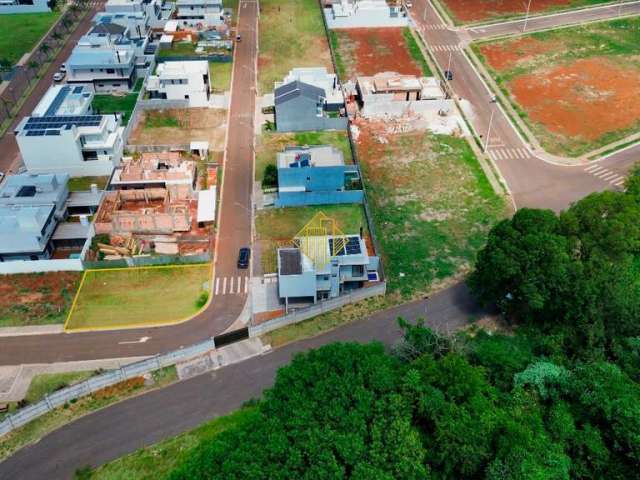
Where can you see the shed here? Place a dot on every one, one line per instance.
(207, 205)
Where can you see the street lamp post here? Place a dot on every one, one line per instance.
(526, 17)
(486, 140)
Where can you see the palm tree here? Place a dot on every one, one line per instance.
(66, 22)
(32, 66)
(45, 49)
(56, 36)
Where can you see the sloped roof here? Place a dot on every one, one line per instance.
(108, 28)
(297, 89)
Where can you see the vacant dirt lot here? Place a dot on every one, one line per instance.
(466, 11)
(367, 51)
(577, 88)
(36, 298)
(180, 126)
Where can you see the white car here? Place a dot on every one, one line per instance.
(58, 76)
(63, 68)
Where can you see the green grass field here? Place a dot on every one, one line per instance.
(79, 184)
(48, 383)
(432, 207)
(220, 76)
(19, 33)
(617, 41)
(156, 461)
(291, 35)
(277, 226)
(139, 296)
(270, 143)
(118, 103)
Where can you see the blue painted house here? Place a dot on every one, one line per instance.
(316, 175)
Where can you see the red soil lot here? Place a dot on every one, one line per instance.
(507, 55)
(367, 51)
(586, 98)
(479, 10)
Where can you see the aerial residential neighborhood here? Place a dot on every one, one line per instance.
(301, 239)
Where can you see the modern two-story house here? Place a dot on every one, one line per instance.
(188, 81)
(64, 135)
(200, 14)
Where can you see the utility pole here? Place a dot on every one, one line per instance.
(424, 16)
(486, 140)
(526, 17)
(449, 64)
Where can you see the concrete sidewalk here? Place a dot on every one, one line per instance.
(33, 330)
(15, 379)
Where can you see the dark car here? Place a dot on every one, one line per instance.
(238, 38)
(243, 258)
(448, 74)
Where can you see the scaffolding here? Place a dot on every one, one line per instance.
(313, 240)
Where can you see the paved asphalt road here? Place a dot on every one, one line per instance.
(555, 20)
(532, 181)
(9, 154)
(122, 428)
(234, 232)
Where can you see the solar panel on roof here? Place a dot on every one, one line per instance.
(53, 108)
(35, 133)
(63, 120)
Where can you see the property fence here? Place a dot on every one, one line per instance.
(318, 309)
(218, 58)
(148, 261)
(93, 384)
(157, 148)
(354, 151)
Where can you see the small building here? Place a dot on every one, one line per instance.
(200, 14)
(187, 80)
(156, 11)
(301, 106)
(365, 13)
(169, 170)
(390, 93)
(135, 24)
(316, 175)
(63, 135)
(30, 208)
(323, 267)
(24, 6)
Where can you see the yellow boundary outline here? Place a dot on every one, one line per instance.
(132, 326)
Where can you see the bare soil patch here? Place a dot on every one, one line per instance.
(181, 125)
(478, 10)
(36, 298)
(511, 54)
(587, 98)
(367, 51)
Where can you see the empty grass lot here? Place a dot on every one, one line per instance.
(270, 143)
(123, 104)
(432, 206)
(79, 184)
(20, 32)
(138, 297)
(291, 35)
(156, 461)
(220, 73)
(276, 227)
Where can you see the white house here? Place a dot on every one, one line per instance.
(200, 14)
(62, 135)
(24, 6)
(157, 11)
(365, 13)
(188, 80)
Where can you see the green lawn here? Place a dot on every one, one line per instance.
(140, 296)
(276, 227)
(432, 206)
(220, 76)
(19, 33)
(118, 103)
(270, 143)
(291, 35)
(569, 131)
(38, 428)
(161, 119)
(156, 461)
(80, 184)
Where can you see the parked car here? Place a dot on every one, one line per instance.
(63, 68)
(448, 74)
(58, 76)
(238, 38)
(1, 176)
(243, 257)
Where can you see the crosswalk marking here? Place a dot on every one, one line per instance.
(606, 175)
(231, 285)
(446, 48)
(437, 26)
(508, 153)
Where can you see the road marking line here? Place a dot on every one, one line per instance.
(499, 155)
(619, 178)
(610, 176)
(246, 284)
(592, 168)
(618, 183)
(217, 285)
(231, 287)
(598, 170)
(239, 284)
(490, 153)
(511, 153)
(224, 286)
(603, 173)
